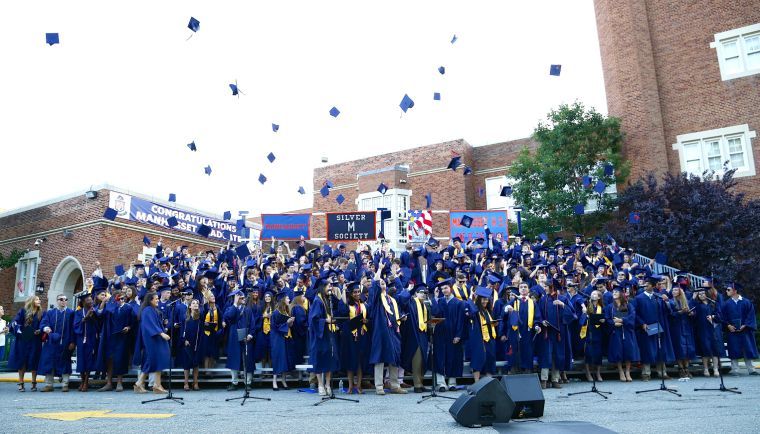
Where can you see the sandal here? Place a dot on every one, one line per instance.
(21, 387)
(34, 386)
(195, 387)
(186, 388)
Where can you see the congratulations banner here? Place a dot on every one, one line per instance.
(285, 226)
(140, 210)
(496, 221)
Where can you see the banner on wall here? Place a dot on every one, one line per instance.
(285, 226)
(351, 226)
(496, 220)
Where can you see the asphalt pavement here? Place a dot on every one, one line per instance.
(291, 411)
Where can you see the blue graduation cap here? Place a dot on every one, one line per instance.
(207, 170)
(192, 146)
(194, 24)
(239, 224)
(203, 230)
(227, 215)
(406, 103)
(334, 112)
(242, 251)
(110, 214)
(172, 197)
(609, 169)
(262, 178)
(436, 96)
(428, 200)
(329, 183)
(586, 181)
(340, 199)
(324, 191)
(466, 221)
(454, 39)
(467, 170)
(543, 236)
(172, 221)
(661, 258)
(483, 292)
(481, 191)
(275, 127)
(235, 90)
(442, 70)
(226, 234)
(271, 157)
(119, 270)
(301, 190)
(555, 70)
(382, 188)
(146, 240)
(506, 191)
(600, 186)
(579, 209)
(634, 218)
(51, 38)
(454, 163)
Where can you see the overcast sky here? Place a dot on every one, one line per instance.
(123, 93)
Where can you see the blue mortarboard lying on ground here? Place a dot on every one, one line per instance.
(271, 157)
(454, 163)
(146, 240)
(634, 218)
(227, 215)
(301, 190)
(579, 209)
(437, 96)
(275, 127)
(172, 221)
(555, 70)
(382, 188)
(203, 230)
(442, 70)
(262, 178)
(207, 170)
(428, 200)
(192, 146)
(466, 221)
(51, 38)
(406, 103)
(172, 197)
(334, 112)
(110, 213)
(600, 187)
(340, 199)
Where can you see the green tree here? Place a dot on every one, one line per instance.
(573, 142)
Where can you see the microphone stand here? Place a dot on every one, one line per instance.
(434, 392)
(662, 387)
(169, 396)
(722, 387)
(247, 394)
(593, 377)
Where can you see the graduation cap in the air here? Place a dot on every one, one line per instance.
(301, 190)
(51, 38)
(172, 197)
(406, 103)
(192, 146)
(436, 96)
(340, 199)
(146, 240)
(481, 191)
(579, 209)
(586, 181)
(110, 214)
(432, 242)
(242, 251)
(203, 230)
(235, 90)
(634, 218)
(172, 221)
(334, 112)
(194, 24)
(555, 70)
(660, 258)
(453, 39)
(441, 70)
(428, 200)
(324, 191)
(262, 178)
(467, 170)
(119, 270)
(506, 191)
(275, 127)
(239, 224)
(271, 157)
(207, 170)
(609, 169)
(226, 234)
(227, 215)
(600, 187)
(454, 163)
(466, 221)
(382, 188)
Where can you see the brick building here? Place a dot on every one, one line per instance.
(76, 235)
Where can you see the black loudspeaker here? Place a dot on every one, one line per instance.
(525, 391)
(483, 404)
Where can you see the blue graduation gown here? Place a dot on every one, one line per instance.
(25, 353)
(412, 337)
(593, 343)
(212, 338)
(262, 342)
(86, 329)
(527, 337)
(324, 354)
(622, 342)
(385, 329)
(741, 344)
(576, 342)
(681, 333)
(55, 357)
(190, 338)
(300, 332)
(114, 343)
(235, 320)
(707, 335)
(282, 346)
(449, 357)
(482, 353)
(354, 349)
(156, 350)
(254, 329)
(650, 311)
(509, 328)
(498, 313)
(552, 342)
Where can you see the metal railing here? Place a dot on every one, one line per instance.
(694, 280)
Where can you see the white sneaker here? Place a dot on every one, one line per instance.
(322, 391)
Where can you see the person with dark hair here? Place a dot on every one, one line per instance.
(116, 338)
(482, 337)
(448, 336)
(191, 330)
(653, 336)
(354, 348)
(739, 316)
(707, 330)
(324, 353)
(281, 338)
(154, 344)
(86, 330)
(623, 349)
(58, 344)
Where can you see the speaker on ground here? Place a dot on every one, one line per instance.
(525, 392)
(483, 404)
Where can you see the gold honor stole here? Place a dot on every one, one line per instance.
(331, 327)
(484, 325)
(384, 297)
(267, 326)
(464, 295)
(421, 315)
(584, 328)
(211, 318)
(352, 314)
(531, 311)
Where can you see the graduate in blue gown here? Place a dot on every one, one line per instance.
(528, 328)
(324, 353)
(281, 338)
(385, 327)
(119, 322)
(254, 310)
(556, 314)
(681, 330)
(213, 330)
(592, 335)
(415, 340)
(652, 312)
(86, 329)
(234, 319)
(190, 337)
(55, 357)
(154, 343)
(25, 352)
(509, 335)
(482, 336)
(739, 317)
(623, 349)
(448, 335)
(299, 309)
(707, 330)
(354, 344)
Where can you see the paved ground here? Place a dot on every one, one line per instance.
(290, 411)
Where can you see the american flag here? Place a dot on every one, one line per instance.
(420, 221)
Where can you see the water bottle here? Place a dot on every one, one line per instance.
(340, 386)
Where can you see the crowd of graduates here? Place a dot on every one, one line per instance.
(536, 306)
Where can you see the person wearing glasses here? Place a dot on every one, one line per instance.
(58, 343)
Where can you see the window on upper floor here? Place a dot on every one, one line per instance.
(738, 52)
(26, 275)
(708, 150)
(494, 199)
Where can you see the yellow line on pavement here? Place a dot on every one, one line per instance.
(98, 414)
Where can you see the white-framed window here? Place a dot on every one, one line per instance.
(494, 199)
(708, 150)
(738, 52)
(147, 253)
(26, 275)
(397, 201)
